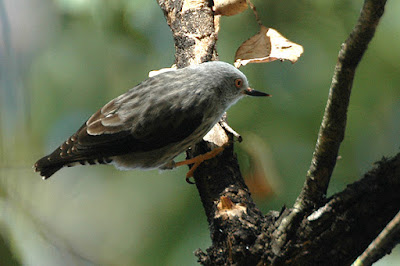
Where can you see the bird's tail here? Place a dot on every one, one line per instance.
(65, 155)
(46, 167)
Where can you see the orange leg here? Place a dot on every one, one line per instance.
(199, 159)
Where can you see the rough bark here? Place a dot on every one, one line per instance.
(317, 231)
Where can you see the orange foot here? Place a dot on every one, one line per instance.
(199, 159)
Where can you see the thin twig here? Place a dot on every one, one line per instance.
(333, 125)
(253, 7)
(383, 243)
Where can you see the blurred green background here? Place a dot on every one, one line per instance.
(61, 60)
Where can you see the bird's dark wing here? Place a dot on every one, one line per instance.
(108, 134)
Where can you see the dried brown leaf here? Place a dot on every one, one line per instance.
(162, 70)
(229, 7)
(266, 46)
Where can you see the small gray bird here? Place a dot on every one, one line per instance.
(148, 126)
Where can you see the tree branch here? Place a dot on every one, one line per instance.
(383, 244)
(342, 228)
(334, 234)
(333, 126)
(318, 230)
(193, 28)
(331, 133)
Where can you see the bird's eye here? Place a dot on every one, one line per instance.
(238, 83)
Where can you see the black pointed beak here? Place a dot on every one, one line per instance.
(251, 92)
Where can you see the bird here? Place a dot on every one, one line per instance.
(155, 121)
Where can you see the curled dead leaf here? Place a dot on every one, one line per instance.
(266, 46)
(229, 7)
(162, 70)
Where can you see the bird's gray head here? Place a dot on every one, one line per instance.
(229, 83)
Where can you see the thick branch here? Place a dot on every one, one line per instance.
(345, 225)
(335, 234)
(192, 25)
